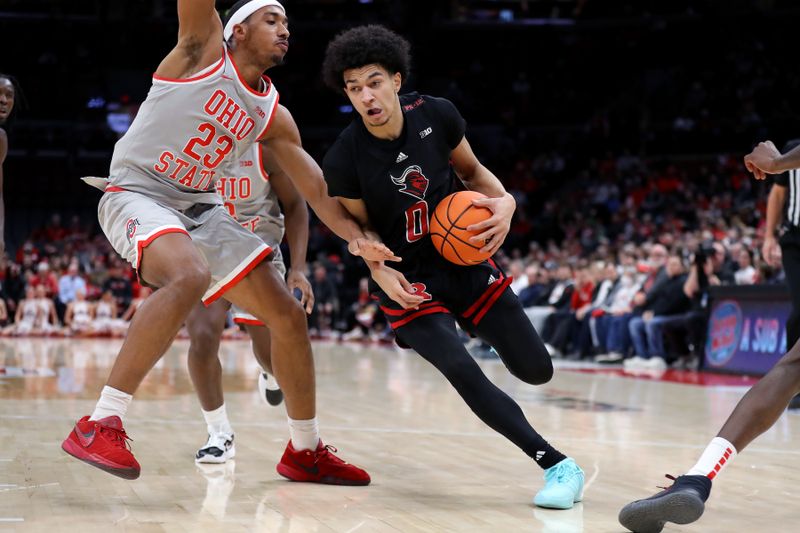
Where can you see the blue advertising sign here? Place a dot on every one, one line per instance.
(746, 335)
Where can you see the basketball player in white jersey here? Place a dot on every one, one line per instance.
(251, 195)
(210, 102)
(79, 315)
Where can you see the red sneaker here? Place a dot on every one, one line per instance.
(319, 466)
(101, 443)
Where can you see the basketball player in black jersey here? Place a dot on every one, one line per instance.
(8, 92)
(400, 156)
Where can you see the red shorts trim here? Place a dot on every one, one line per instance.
(400, 312)
(499, 292)
(485, 296)
(114, 188)
(245, 270)
(248, 322)
(141, 245)
(417, 314)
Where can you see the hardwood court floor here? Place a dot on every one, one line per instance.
(435, 467)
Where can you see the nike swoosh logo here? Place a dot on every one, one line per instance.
(313, 470)
(86, 439)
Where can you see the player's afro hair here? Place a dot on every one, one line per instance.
(365, 45)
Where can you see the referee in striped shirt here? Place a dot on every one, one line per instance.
(784, 202)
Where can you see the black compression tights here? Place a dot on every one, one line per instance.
(511, 334)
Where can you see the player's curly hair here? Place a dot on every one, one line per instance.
(364, 45)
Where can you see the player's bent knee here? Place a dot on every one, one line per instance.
(195, 279)
(291, 320)
(533, 372)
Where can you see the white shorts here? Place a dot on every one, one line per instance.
(132, 221)
(240, 316)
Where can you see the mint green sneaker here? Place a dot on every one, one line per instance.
(563, 486)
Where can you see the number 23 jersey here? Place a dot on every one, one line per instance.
(186, 129)
(401, 181)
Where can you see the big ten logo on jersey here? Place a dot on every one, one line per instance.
(194, 165)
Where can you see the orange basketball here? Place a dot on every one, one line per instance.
(448, 228)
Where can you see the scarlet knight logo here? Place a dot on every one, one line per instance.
(413, 182)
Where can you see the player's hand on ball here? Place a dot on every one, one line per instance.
(397, 287)
(762, 160)
(297, 280)
(371, 250)
(495, 228)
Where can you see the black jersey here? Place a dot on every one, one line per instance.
(403, 180)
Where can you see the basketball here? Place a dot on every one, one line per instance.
(449, 224)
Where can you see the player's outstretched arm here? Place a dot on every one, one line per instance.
(479, 178)
(283, 145)
(393, 283)
(199, 40)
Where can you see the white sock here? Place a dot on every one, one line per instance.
(112, 402)
(217, 420)
(715, 458)
(272, 383)
(305, 434)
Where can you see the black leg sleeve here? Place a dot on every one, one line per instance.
(434, 337)
(506, 327)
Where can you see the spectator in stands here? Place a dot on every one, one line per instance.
(14, 286)
(361, 315)
(539, 285)
(98, 273)
(517, 271)
(559, 297)
(687, 335)
(747, 273)
(602, 297)
(68, 286)
(46, 278)
(667, 302)
(559, 327)
(119, 286)
(611, 327)
(724, 269)
(327, 302)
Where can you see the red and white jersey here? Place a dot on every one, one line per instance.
(186, 130)
(248, 196)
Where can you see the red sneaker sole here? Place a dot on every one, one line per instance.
(76, 451)
(293, 474)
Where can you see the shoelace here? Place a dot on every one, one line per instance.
(560, 473)
(118, 437)
(327, 452)
(670, 477)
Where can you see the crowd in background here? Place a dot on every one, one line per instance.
(612, 265)
(625, 170)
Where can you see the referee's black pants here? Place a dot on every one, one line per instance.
(790, 250)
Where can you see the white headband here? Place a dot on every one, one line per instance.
(245, 11)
